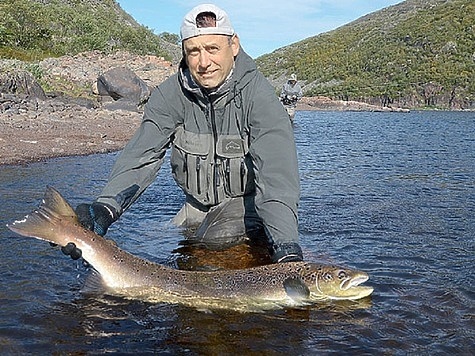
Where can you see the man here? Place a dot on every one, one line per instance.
(232, 145)
(290, 94)
(291, 90)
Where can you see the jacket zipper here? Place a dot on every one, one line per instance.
(215, 172)
(242, 173)
(185, 171)
(198, 181)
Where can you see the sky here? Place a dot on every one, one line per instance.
(262, 25)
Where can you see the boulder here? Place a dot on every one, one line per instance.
(21, 82)
(122, 84)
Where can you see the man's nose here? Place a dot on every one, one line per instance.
(204, 61)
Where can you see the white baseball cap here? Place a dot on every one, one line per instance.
(190, 29)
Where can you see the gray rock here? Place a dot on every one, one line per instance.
(123, 84)
(21, 82)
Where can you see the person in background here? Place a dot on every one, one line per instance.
(232, 146)
(290, 94)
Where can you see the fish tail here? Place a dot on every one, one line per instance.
(44, 222)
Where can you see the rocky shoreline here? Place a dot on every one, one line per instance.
(36, 124)
(70, 131)
(323, 103)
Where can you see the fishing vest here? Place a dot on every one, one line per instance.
(211, 167)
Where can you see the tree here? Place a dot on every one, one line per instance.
(170, 37)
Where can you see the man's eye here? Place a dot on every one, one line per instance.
(212, 50)
(193, 53)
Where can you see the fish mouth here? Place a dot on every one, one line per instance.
(359, 292)
(353, 282)
(352, 289)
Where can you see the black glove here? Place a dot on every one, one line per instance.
(96, 217)
(286, 252)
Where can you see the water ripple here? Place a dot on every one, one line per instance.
(391, 194)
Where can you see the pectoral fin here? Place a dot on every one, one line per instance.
(296, 289)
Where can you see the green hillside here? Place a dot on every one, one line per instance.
(419, 53)
(32, 30)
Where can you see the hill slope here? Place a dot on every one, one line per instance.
(419, 53)
(38, 29)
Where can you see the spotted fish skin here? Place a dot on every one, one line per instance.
(121, 273)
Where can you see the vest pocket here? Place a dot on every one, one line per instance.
(189, 163)
(235, 170)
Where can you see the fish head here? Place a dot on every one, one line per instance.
(335, 282)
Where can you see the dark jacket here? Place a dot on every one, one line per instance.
(235, 141)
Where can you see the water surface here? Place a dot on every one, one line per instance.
(389, 193)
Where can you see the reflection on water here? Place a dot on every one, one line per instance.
(391, 194)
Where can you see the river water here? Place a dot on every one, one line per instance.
(392, 194)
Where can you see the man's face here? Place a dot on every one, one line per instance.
(210, 58)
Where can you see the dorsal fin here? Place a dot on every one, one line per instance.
(56, 205)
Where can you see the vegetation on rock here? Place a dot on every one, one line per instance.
(419, 53)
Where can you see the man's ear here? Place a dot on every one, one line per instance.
(235, 44)
(183, 54)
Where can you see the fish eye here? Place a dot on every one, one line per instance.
(342, 275)
(327, 277)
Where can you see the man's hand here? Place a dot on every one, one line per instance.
(96, 217)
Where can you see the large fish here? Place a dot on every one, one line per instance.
(121, 273)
